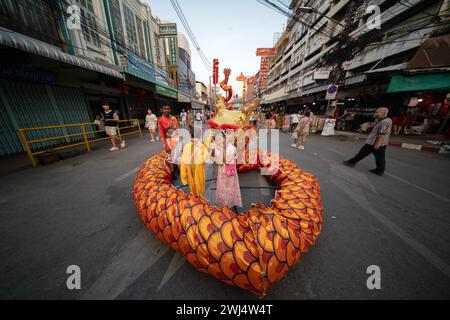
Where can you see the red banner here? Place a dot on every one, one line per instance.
(266, 52)
(216, 71)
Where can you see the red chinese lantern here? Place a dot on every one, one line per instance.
(141, 94)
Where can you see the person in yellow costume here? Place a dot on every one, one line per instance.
(192, 169)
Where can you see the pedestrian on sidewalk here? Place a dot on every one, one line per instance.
(111, 121)
(376, 142)
(151, 124)
(183, 119)
(302, 131)
(190, 119)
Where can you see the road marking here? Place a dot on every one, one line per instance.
(358, 196)
(129, 264)
(418, 187)
(405, 181)
(126, 175)
(177, 262)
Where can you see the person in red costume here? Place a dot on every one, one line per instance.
(166, 124)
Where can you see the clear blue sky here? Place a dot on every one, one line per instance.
(229, 30)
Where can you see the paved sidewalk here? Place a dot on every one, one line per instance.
(413, 142)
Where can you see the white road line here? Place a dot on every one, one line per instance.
(130, 263)
(177, 262)
(126, 175)
(358, 196)
(405, 181)
(418, 187)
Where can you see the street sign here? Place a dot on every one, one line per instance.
(321, 75)
(168, 30)
(332, 92)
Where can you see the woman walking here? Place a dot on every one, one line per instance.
(151, 124)
(302, 131)
(183, 119)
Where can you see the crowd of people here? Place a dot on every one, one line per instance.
(188, 159)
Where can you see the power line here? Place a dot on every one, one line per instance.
(191, 35)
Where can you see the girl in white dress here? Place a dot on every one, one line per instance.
(150, 124)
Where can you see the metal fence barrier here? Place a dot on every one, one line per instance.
(83, 135)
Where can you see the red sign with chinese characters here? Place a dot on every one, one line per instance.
(216, 71)
(266, 52)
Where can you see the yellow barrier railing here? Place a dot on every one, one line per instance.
(84, 134)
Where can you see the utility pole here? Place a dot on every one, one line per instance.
(343, 44)
(210, 95)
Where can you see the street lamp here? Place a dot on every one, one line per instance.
(311, 9)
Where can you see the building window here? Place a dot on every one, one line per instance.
(140, 37)
(130, 25)
(157, 48)
(30, 17)
(118, 27)
(88, 22)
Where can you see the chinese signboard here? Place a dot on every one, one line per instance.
(139, 67)
(216, 71)
(241, 77)
(264, 73)
(165, 91)
(168, 30)
(266, 52)
(173, 48)
(321, 75)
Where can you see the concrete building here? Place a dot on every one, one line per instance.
(202, 92)
(59, 68)
(336, 42)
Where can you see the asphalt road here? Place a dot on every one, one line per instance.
(80, 212)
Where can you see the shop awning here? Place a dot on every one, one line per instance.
(21, 42)
(396, 67)
(433, 54)
(422, 82)
(166, 91)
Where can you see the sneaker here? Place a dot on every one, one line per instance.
(293, 145)
(375, 171)
(122, 144)
(153, 140)
(113, 149)
(301, 147)
(348, 164)
(157, 138)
